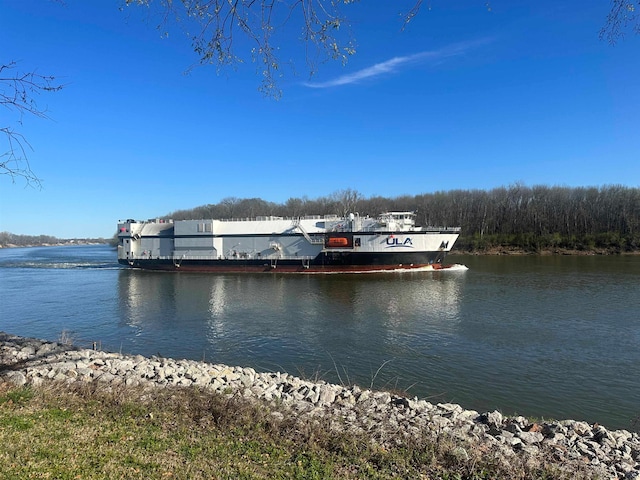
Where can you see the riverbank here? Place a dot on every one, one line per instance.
(390, 422)
(59, 243)
(510, 250)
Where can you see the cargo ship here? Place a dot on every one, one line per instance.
(309, 244)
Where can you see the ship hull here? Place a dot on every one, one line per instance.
(324, 263)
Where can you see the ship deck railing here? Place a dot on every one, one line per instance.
(383, 229)
(268, 218)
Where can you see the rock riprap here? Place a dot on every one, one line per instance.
(386, 418)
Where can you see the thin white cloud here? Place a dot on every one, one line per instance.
(395, 64)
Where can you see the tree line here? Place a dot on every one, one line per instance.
(533, 219)
(8, 239)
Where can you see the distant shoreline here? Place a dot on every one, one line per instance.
(61, 243)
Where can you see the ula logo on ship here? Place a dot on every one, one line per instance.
(398, 242)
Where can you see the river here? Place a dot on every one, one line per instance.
(542, 336)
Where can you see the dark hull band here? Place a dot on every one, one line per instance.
(327, 262)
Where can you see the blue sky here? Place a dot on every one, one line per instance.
(466, 97)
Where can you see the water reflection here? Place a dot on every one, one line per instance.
(299, 323)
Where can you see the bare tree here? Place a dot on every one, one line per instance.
(295, 207)
(229, 206)
(622, 16)
(347, 200)
(18, 92)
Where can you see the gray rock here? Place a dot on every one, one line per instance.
(19, 379)
(582, 428)
(327, 395)
(493, 420)
(531, 437)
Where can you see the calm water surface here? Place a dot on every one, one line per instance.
(552, 337)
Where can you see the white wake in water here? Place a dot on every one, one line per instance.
(456, 267)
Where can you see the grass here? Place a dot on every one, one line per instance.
(87, 431)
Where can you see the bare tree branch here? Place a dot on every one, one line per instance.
(17, 94)
(623, 14)
(211, 26)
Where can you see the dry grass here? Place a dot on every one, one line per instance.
(91, 432)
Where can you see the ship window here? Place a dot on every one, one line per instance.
(205, 227)
(357, 242)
